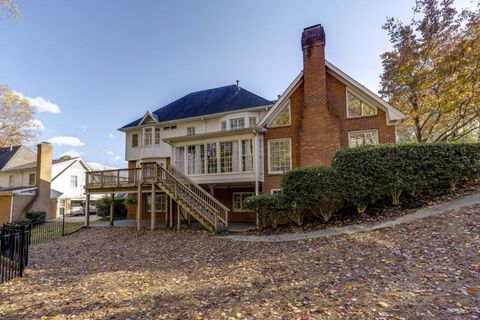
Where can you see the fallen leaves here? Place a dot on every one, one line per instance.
(429, 269)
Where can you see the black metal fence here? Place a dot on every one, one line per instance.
(55, 229)
(14, 243)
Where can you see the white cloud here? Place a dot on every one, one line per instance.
(110, 153)
(41, 104)
(117, 158)
(72, 153)
(37, 125)
(111, 135)
(67, 141)
(112, 156)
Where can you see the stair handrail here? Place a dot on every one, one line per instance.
(184, 187)
(207, 197)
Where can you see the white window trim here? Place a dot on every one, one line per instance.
(138, 139)
(287, 105)
(273, 191)
(358, 96)
(270, 154)
(362, 131)
(144, 135)
(252, 194)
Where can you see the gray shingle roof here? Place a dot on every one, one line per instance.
(207, 102)
(6, 154)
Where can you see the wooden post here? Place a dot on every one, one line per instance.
(87, 211)
(139, 207)
(170, 208)
(178, 217)
(152, 209)
(112, 208)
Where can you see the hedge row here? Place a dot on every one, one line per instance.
(365, 175)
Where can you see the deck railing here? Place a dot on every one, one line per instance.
(153, 173)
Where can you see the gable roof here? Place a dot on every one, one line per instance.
(33, 165)
(393, 115)
(6, 154)
(205, 102)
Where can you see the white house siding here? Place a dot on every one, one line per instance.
(62, 183)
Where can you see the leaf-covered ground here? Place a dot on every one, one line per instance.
(426, 270)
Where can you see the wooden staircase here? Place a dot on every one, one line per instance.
(197, 202)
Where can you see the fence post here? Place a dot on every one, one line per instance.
(63, 225)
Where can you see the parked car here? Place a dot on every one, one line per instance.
(77, 210)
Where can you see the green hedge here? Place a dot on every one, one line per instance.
(103, 208)
(364, 175)
(36, 217)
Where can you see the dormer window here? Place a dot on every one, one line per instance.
(223, 125)
(134, 140)
(357, 108)
(157, 135)
(237, 123)
(147, 136)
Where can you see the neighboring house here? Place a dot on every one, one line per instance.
(68, 178)
(235, 144)
(63, 178)
(26, 190)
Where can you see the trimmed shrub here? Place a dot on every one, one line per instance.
(271, 209)
(20, 222)
(37, 217)
(313, 190)
(103, 208)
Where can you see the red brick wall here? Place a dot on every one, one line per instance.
(337, 101)
(225, 196)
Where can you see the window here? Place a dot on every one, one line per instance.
(73, 181)
(160, 203)
(226, 157)
(134, 140)
(190, 131)
(252, 122)
(275, 191)
(223, 125)
(180, 159)
(247, 155)
(279, 153)
(358, 108)
(239, 200)
(237, 123)
(147, 136)
(361, 138)
(212, 158)
(157, 135)
(11, 181)
(196, 159)
(283, 118)
(31, 179)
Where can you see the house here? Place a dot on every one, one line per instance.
(205, 153)
(63, 181)
(26, 190)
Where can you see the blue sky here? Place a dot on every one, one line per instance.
(94, 66)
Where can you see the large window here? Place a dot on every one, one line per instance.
(180, 158)
(134, 140)
(212, 158)
(237, 123)
(160, 203)
(226, 157)
(147, 136)
(239, 199)
(283, 118)
(196, 159)
(157, 135)
(73, 181)
(247, 155)
(358, 108)
(360, 138)
(31, 179)
(279, 155)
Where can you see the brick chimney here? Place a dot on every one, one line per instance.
(320, 131)
(43, 177)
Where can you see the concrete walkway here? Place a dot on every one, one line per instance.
(351, 229)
